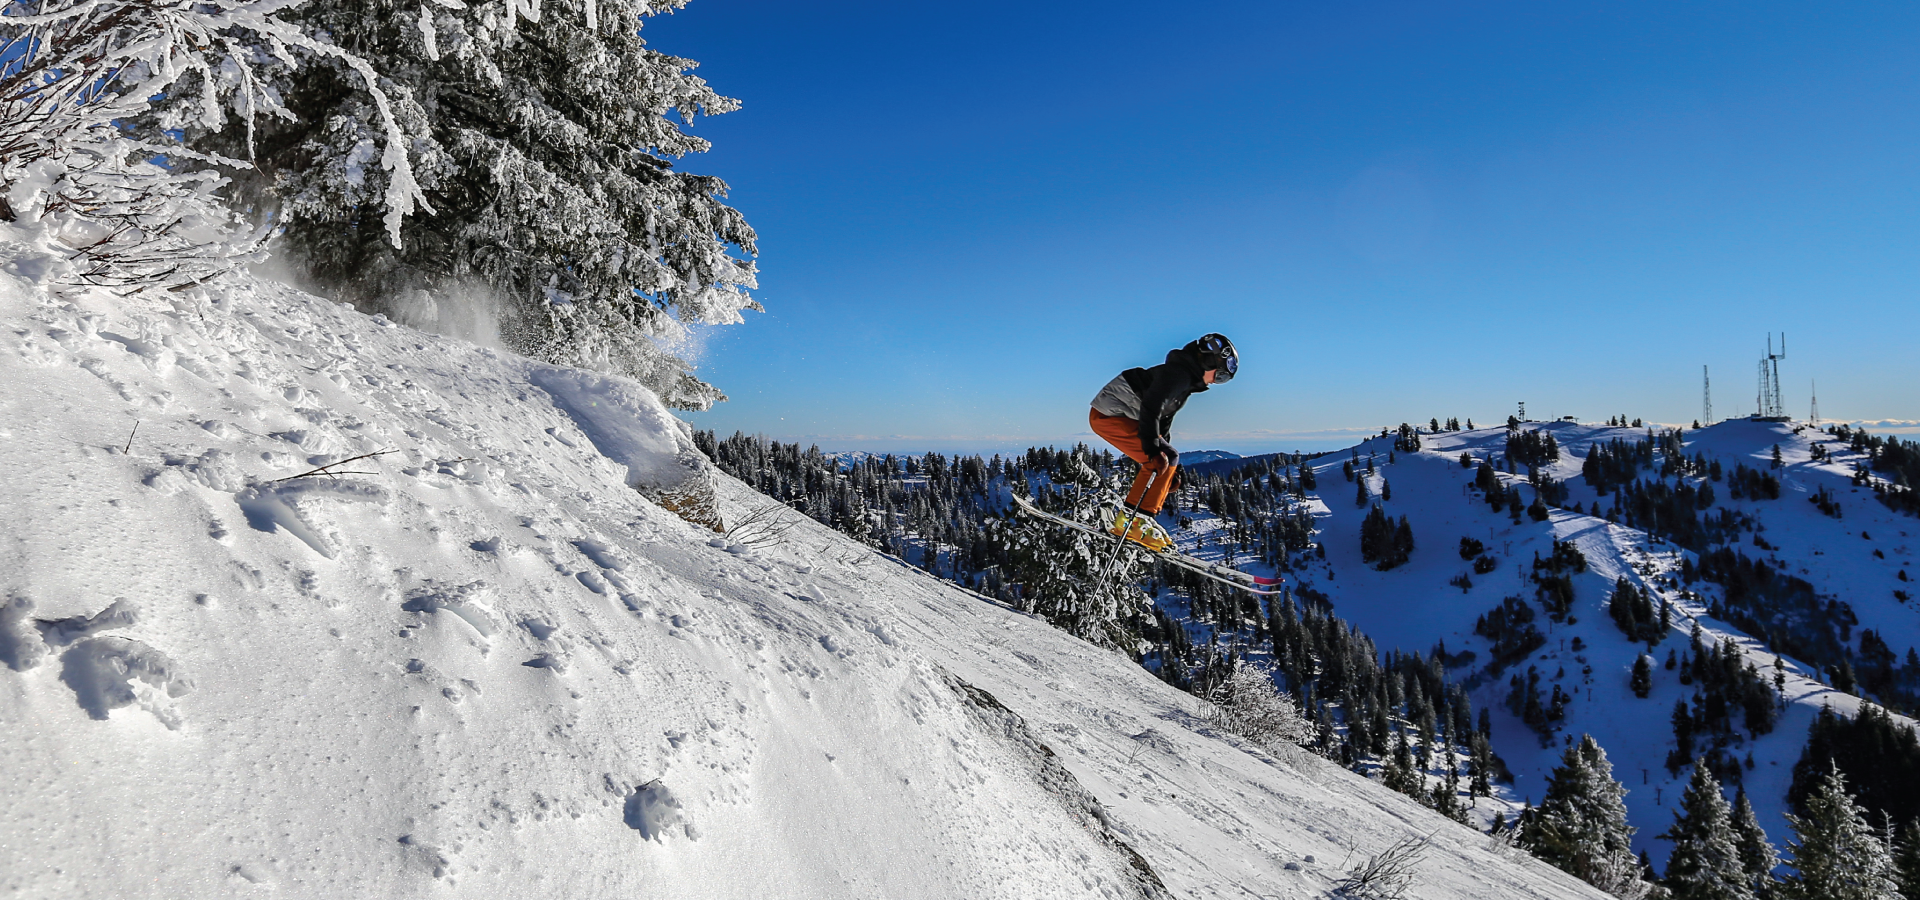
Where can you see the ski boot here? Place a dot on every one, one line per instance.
(1141, 529)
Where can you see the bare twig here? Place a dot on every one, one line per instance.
(1385, 875)
(1505, 842)
(136, 430)
(327, 469)
(767, 525)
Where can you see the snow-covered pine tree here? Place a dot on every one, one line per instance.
(545, 133)
(1757, 857)
(1836, 855)
(1581, 826)
(1705, 864)
(133, 206)
(1060, 572)
(1399, 772)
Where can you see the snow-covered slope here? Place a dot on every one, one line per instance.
(481, 665)
(1413, 606)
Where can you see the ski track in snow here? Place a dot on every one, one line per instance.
(481, 665)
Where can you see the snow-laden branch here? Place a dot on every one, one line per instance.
(135, 208)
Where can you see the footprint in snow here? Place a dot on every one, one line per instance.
(547, 661)
(652, 810)
(463, 601)
(107, 673)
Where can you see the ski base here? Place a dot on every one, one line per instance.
(1231, 577)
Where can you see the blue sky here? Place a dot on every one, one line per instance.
(971, 217)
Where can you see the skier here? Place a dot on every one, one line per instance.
(1134, 412)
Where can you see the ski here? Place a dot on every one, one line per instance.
(1230, 577)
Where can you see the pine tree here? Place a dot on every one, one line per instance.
(1061, 570)
(544, 137)
(1836, 855)
(858, 522)
(1757, 857)
(1906, 861)
(1705, 863)
(1642, 680)
(1399, 771)
(1581, 826)
(1480, 753)
(96, 103)
(1446, 794)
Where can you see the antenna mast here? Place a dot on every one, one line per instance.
(1779, 403)
(1815, 415)
(1768, 401)
(1706, 397)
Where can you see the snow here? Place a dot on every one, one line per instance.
(481, 663)
(1412, 607)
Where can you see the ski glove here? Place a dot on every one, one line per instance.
(1165, 453)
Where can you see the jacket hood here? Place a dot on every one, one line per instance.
(1188, 358)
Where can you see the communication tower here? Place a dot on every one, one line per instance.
(1706, 397)
(1768, 399)
(1814, 416)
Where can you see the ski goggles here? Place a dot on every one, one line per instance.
(1229, 364)
(1222, 349)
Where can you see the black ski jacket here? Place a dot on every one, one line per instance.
(1163, 389)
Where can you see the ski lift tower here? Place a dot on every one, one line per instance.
(1770, 406)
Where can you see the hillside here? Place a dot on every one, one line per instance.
(480, 663)
(1414, 606)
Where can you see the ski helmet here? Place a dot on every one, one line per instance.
(1217, 353)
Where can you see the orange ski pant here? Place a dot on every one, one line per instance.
(1124, 434)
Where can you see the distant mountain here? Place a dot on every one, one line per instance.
(1228, 462)
(1192, 457)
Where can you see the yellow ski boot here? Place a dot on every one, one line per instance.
(1140, 529)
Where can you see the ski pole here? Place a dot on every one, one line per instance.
(1128, 526)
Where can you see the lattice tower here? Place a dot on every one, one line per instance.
(1706, 397)
(1768, 401)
